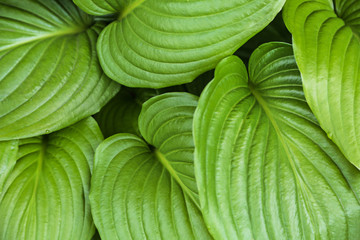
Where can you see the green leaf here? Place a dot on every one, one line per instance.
(45, 196)
(264, 167)
(142, 191)
(327, 50)
(160, 43)
(50, 76)
(8, 151)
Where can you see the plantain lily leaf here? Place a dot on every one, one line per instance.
(161, 43)
(264, 167)
(146, 189)
(50, 76)
(45, 195)
(327, 50)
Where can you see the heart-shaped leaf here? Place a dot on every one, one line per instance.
(45, 195)
(265, 168)
(327, 50)
(50, 76)
(149, 192)
(160, 43)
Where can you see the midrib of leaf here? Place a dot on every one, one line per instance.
(62, 32)
(357, 36)
(173, 174)
(37, 173)
(304, 189)
(268, 113)
(129, 9)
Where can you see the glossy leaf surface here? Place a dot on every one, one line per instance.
(45, 195)
(161, 43)
(327, 50)
(50, 76)
(265, 168)
(142, 191)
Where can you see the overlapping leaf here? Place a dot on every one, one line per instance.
(50, 76)
(121, 114)
(274, 32)
(327, 50)
(265, 168)
(142, 191)
(160, 43)
(45, 195)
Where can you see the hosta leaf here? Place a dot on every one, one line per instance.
(265, 169)
(8, 151)
(50, 76)
(142, 191)
(160, 43)
(327, 50)
(45, 195)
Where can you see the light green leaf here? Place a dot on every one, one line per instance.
(160, 43)
(264, 167)
(50, 76)
(142, 191)
(327, 50)
(45, 196)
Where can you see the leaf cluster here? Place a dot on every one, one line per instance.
(179, 119)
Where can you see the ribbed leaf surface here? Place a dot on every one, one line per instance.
(265, 168)
(160, 43)
(8, 152)
(45, 196)
(121, 114)
(50, 76)
(149, 192)
(327, 50)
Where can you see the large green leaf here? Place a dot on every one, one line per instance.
(45, 195)
(264, 167)
(142, 191)
(327, 50)
(50, 76)
(160, 43)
